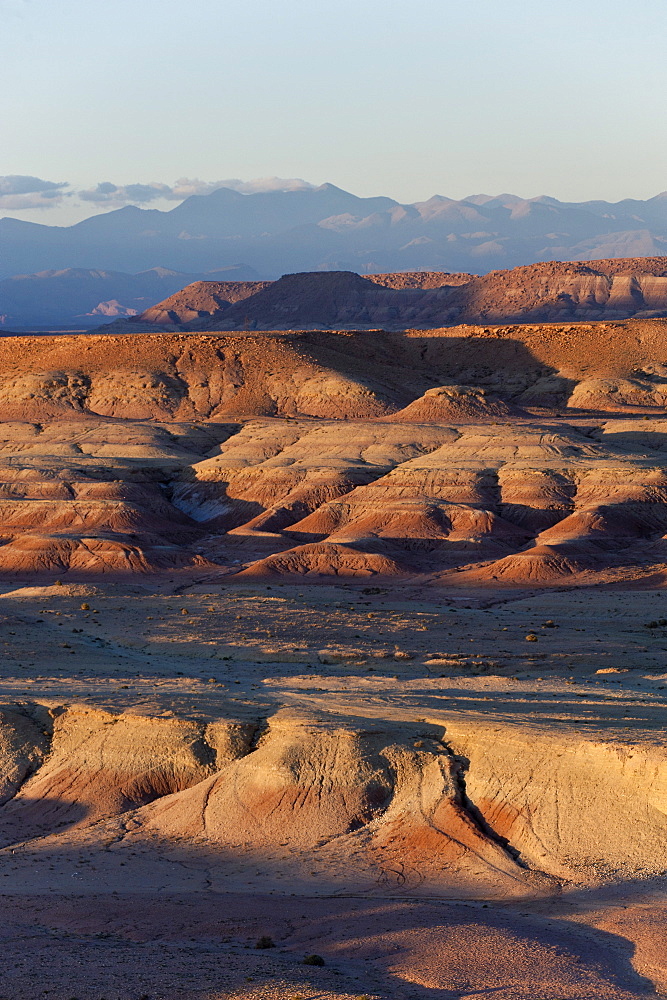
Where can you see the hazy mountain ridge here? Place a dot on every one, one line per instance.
(82, 298)
(326, 228)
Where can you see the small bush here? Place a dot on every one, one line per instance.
(313, 960)
(265, 942)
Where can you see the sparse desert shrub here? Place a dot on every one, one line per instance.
(313, 960)
(265, 942)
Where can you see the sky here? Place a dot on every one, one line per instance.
(147, 101)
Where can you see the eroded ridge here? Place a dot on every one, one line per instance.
(454, 809)
(504, 503)
(465, 457)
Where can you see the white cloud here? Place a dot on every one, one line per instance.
(20, 191)
(24, 193)
(114, 195)
(262, 184)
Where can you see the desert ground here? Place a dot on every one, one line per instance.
(352, 644)
(411, 790)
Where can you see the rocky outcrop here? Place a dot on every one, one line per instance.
(379, 804)
(449, 805)
(72, 766)
(554, 291)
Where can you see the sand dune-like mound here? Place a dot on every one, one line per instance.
(412, 521)
(613, 524)
(324, 559)
(541, 564)
(99, 516)
(88, 555)
(335, 397)
(454, 402)
(537, 497)
(417, 534)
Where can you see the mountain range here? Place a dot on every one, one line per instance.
(271, 233)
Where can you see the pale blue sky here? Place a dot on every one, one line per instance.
(564, 97)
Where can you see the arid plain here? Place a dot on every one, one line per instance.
(352, 640)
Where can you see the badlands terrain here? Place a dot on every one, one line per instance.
(350, 644)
